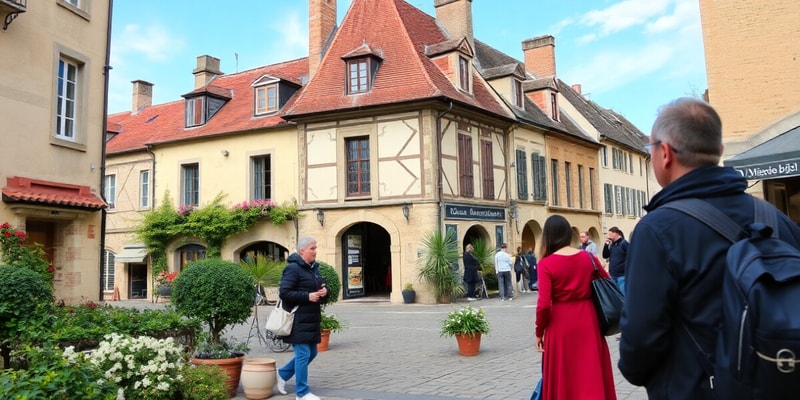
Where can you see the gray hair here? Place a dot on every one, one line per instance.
(693, 129)
(304, 242)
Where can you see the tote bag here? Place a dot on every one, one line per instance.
(608, 301)
(280, 321)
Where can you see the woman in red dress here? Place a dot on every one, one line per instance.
(576, 363)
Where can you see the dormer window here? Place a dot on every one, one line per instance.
(554, 106)
(203, 103)
(267, 99)
(518, 94)
(463, 74)
(357, 76)
(195, 111)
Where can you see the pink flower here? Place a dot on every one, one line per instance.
(7, 233)
(5, 225)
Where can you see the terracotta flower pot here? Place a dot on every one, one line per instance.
(231, 366)
(258, 378)
(323, 344)
(468, 345)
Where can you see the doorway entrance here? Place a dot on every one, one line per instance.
(137, 276)
(367, 263)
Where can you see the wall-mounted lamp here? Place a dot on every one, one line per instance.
(224, 152)
(321, 217)
(405, 211)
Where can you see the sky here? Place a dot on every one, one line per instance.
(631, 56)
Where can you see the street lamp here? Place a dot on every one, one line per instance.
(405, 211)
(321, 217)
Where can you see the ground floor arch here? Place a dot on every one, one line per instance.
(366, 265)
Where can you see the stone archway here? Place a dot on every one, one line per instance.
(531, 232)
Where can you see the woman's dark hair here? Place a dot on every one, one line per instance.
(556, 234)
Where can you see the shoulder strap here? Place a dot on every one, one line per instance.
(709, 215)
(766, 215)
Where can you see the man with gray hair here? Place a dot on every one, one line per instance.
(675, 265)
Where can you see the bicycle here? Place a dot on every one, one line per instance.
(480, 291)
(268, 339)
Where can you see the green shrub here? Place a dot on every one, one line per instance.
(24, 295)
(331, 281)
(203, 382)
(53, 374)
(216, 291)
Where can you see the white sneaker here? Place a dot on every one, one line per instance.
(308, 396)
(471, 299)
(281, 384)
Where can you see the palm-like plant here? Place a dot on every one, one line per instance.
(484, 252)
(441, 252)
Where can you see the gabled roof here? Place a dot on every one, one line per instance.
(401, 33)
(166, 123)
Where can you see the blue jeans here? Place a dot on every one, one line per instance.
(304, 353)
(620, 281)
(505, 285)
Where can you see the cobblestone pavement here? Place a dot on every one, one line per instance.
(394, 352)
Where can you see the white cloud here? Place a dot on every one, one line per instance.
(612, 69)
(291, 41)
(623, 15)
(154, 42)
(685, 16)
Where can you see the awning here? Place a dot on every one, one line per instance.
(36, 191)
(132, 253)
(778, 157)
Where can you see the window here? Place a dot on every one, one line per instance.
(608, 198)
(110, 190)
(518, 95)
(466, 187)
(641, 168)
(580, 186)
(522, 175)
(463, 74)
(630, 162)
(66, 113)
(618, 201)
(262, 177)
(190, 176)
(568, 182)
(554, 106)
(620, 158)
(144, 189)
(604, 156)
(76, 3)
(266, 99)
(629, 194)
(487, 169)
(108, 271)
(358, 76)
(539, 171)
(195, 111)
(554, 171)
(591, 189)
(357, 166)
(191, 253)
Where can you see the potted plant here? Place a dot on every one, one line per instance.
(220, 293)
(409, 294)
(439, 255)
(467, 325)
(164, 280)
(328, 323)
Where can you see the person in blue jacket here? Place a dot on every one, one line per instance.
(616, 251)
(303, 286)
(675, 264)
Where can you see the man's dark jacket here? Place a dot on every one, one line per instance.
(617, 254)
(674, 277)
(471, 268)
(299, 279)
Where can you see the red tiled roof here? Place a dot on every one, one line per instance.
(401, 33)
(165, 122)
(34, 191)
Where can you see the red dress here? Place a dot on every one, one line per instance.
(576, 363)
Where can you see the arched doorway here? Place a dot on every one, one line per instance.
(367, 263)
(530, 232)
(264, 249)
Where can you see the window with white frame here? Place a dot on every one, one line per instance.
(619, 202)
(608, 198)
(144, 189)
(110, 190)
(358, 76)
(190, 179)
(108, 271)
(266, 99)
(195, 111)
(67, 107)
(262, 177)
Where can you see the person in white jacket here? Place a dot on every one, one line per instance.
(502, 267)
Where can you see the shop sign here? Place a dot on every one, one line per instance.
(459, 211)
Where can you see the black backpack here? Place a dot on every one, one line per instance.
(758, 343)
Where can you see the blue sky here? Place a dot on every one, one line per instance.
(631, 56)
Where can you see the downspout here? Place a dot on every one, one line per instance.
(439, 185)
(103, 212)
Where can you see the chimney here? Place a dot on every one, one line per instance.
(577, 88)
(142, 95)
(321, 24)
(207, 69)
(456, 17)
(540, 56)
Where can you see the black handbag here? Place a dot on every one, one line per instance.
(608, 301)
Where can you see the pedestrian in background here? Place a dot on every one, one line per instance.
(520, 267)
(576, 363)
(676, 263)
(471, 266)
(502, 267)
(588, 245)
(303, 286)
(616, 251)
(532, 271)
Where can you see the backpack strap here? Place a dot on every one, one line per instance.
(766, 215)
(709, 215)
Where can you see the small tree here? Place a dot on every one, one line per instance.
(441, 252)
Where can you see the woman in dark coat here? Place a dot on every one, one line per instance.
(302, 286)
(471, 276)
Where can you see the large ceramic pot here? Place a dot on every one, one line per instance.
(325, 340)
(469, 345)
(409, 296)
(231, 366)
(164, 290)
(258, 378)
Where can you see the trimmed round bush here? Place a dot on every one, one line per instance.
(331, 281)
(216, 291)
(24, 291)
